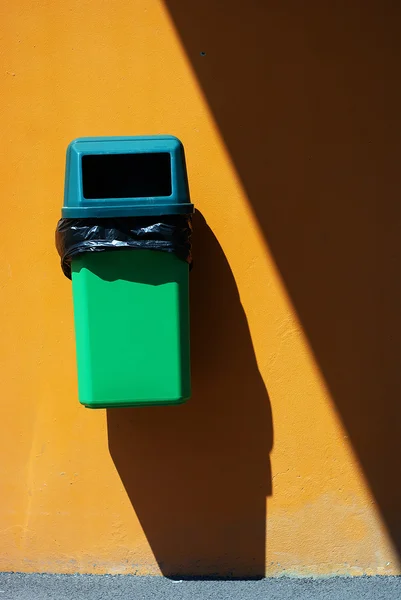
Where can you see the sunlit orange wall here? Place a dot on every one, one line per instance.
(103, 67)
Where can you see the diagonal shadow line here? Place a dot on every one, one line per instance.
(307, 102)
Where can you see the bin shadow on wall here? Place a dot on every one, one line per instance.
(198, 474)
(306, 99)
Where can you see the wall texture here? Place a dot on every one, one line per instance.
(286, 458)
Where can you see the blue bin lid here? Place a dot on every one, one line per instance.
(126, 177)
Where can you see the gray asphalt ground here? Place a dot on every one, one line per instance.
(20, 586)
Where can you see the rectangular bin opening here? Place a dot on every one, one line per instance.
(126, 175)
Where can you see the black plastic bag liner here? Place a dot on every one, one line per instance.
(168, 233)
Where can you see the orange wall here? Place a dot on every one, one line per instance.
(286, 458)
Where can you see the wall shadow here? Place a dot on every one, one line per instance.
(306, 96)
(198, 474)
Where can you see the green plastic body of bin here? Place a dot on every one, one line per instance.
(131, 311)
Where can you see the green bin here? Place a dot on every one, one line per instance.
(131, 306)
